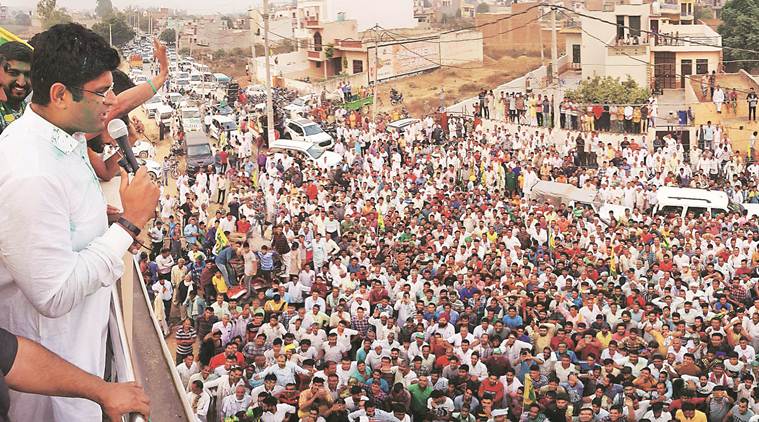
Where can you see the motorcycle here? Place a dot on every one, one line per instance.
(176, 149)
(395, 97)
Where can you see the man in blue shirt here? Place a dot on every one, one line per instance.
(191, 231)
(511, 319)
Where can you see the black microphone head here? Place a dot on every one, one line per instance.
(117, 128)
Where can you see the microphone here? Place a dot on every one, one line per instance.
(118, 131)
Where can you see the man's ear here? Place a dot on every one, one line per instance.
(58, 95)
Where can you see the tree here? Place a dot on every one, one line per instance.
(117, 27)
(483, 8)
(50, 14)
(738, 30)
(23, 19)
(104, 9)
(184, 51)
(607, 90)
(169, 36)
(219, 53)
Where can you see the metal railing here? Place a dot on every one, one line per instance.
(138, 351)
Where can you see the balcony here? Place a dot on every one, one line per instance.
(675, 40)
(137, 350)
(312, 23)
(349, 45)
(317, 56)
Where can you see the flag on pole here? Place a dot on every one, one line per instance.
(613, 262)
(8, 36)
(221, 241)
(529, 391)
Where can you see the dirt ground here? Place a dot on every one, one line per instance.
(422, 93)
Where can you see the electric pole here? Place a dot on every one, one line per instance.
(375, 99)
(269, 105)
(554, 69)
(110, 35)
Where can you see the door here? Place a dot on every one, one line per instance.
(664, 70)
(686, 69)
(576, 53)
(296, 132)
(620, 27)
(634, 26)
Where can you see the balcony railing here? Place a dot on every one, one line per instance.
(349, 44)
(687, 40)
(138, 352)
(316, 55)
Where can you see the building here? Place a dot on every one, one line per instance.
(367, 14)
(517, 28)
(648, 44)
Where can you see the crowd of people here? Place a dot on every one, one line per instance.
(421, 280)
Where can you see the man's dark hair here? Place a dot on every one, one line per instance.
(16, 50)
(69, 54)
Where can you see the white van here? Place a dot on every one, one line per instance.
(163, 114)
(682, 201)
(220, 124)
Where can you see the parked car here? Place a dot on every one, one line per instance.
(150, 106)
(153, 168)
(190, 119)
(221, 124)
(198, 152)
(321, 157)
(308, 131)
(143, 149)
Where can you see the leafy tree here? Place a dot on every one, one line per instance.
(23, 19)
(117, 27)
(50, 14)
(169, 36)
(184, 51)
(104, 9)
(219, 53)
(483, 8)
(608, 90)
(738, 30)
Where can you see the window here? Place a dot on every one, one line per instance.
(575, 53)
(702, 66)
(318, 64)
(358, 66)
(671, 211)
(634, 26)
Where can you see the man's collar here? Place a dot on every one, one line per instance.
(58, 137)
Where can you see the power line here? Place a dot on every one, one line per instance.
(656, 34)
(647, 63)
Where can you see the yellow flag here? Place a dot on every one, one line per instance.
(221, 241)
(613, 262)
(529, 391)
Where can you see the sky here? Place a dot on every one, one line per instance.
(191, 6)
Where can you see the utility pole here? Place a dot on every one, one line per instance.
(269, 105)
(375, 99)
(110, 35)
(554, 69)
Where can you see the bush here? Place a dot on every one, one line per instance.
(220, 53)
(608, 90)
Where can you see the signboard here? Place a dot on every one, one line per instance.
(403, 59)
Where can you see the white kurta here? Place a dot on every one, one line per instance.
(58, 258)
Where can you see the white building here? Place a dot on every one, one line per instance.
(367, 13)
(632, 48)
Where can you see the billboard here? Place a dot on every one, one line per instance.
(398, 59)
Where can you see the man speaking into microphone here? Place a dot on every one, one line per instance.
(58, 257)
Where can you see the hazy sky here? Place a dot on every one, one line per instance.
(193, 6)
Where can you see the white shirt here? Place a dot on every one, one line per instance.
(201, 408)
(232, 404)
(50, 190)
(279, 415)
(185, 373)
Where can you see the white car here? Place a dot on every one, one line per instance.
(150, 106)
(221, 124)
(153, 168)
(300, 106)
(308, 131)
(143, 149)
(190, 119)
(321, 157)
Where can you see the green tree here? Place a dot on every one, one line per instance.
(483, 8)
(50, 14)
(23, 19)
(104, 9)
(117, 27)
(219, 53)
(184, 51)
(738, 30)
(607, 90)
(169, 36)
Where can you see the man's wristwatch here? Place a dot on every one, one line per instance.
(133, 230)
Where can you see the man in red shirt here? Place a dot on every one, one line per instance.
(243, 225)
(221, 358)
(493, 387)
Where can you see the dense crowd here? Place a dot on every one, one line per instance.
(422, 281)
